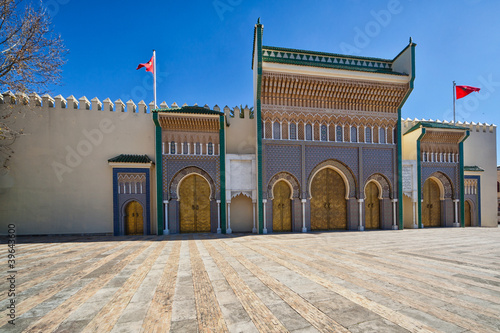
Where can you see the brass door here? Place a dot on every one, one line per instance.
(468, 215)
(133, 216)
(282, 207)
(194, 196)
(431, 207)
(328, 204)
(372, 206)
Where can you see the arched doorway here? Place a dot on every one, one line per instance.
(468, 214)
(328, 204)
(431, 205)
(134, 223)
(194, 195)
(282, 207)
(372, 206)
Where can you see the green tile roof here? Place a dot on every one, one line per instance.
(328, 60)
(431, 124)
(125, 158)
(189, 109)
(473, 168)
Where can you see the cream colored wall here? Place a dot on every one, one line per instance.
(480, 149)
(59, 180)
(241, 214)
(410, 141)
(241, 133)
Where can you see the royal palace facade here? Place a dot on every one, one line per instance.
(325, 147)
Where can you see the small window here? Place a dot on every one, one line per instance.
(354, 134)
(382, 135)
(293, 132)
(324, 134)
(210, 148)
(198, 148)
(172, 147)
(185, 148)
(308, 132)
(368, 135)
(340, 137)
(277, 131)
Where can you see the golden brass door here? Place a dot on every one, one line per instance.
(133, 217)
(372, 206)
(468, 215)
(282, 207)
(431, 206)
(194, 194)
(328, 204)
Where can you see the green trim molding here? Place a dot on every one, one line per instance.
(159, 175)
(400, 136)
(258, 111)
(462, 194)
(419, 179)
(222, 155)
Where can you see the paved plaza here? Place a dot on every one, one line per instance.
(430, 280)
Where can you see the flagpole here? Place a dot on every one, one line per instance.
(154, 76)
(454, 99)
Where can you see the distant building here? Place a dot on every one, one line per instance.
(324, 148)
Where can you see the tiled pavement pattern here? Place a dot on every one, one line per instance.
(431, 280)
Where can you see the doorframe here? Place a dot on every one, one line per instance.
(116, 201)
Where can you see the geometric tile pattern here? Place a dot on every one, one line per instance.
(172, 164)
(316, 155)
(451, 171)
(378, 160)
(282, 158)
(428, 280)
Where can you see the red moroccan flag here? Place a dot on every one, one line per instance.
(149, 65)
(463, 91)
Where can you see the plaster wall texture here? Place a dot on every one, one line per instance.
(480, 149)
(59, 180)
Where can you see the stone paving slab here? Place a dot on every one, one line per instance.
(431, 280)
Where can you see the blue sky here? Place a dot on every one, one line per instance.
(204, 48)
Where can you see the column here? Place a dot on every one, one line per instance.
(206, 151)
(166, 231)
(343, 134)
(304, 229)
(218, 217)
(312, 131)
(289, 131)
(386, 134)
(327, 132)
(272, 130)
(357, 133)
(163, 148)
(360, 202)
(415, 225)
(176, 151)
(254, 230)
(228, 230)
(394, 215)
(264, 231)
(456, 223)
(218, 149)
(281, 130)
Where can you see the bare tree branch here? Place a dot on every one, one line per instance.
(31, 59)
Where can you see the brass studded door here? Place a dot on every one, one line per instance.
(431, 206)
(372, 206)
(282, 207)
(134, 224)
(194, 194)
(468, 214)
(328, 204)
